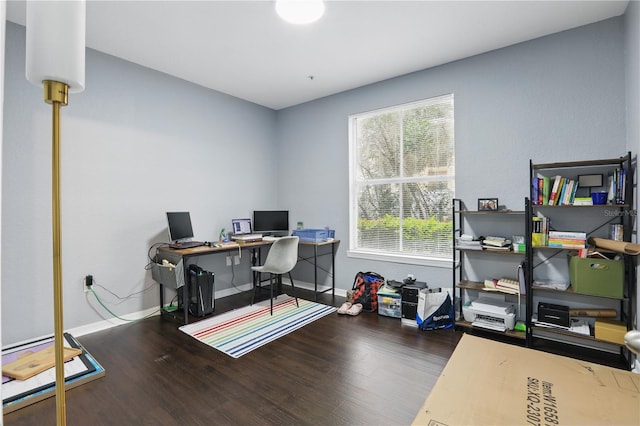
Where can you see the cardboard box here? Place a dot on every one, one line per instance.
(598, 277)
(492, 383)
(610, 331)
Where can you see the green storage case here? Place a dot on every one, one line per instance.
(597, 277)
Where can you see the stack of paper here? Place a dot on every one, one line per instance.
(496, 243)
(468, 242)
(553, 285)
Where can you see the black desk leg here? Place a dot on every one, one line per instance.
(185, 291)
(315, 271)
(161, 299)
(333, 271)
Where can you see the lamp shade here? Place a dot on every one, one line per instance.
(56, 42)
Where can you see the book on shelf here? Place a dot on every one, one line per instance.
(567, 239)
(617, 186)
(496, 244)
(563, 191)
(540, 190)
(539, 230)
(546, 190)
(496, 241)
(494, 248)
(568, 192)
(554, 190)
(504, 285)
(582, 201)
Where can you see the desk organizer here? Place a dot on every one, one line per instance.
(314, 235)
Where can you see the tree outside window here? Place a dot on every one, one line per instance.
(402, 180)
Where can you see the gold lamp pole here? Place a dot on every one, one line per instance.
(55, 60)
(55, 93)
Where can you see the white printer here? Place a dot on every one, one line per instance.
(490, 311)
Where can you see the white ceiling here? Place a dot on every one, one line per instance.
(243, 49)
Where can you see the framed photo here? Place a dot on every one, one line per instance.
(485, 204)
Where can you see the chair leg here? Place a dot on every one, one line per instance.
(293, 289)
(271, 292)
(253, 295)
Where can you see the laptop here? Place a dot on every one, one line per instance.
(242, 231)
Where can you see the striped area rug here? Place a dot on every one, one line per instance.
(242, 330)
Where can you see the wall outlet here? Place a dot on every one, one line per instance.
(87, 283)
(236, 259)
(228, 260)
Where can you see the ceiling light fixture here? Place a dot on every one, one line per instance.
(300, 12)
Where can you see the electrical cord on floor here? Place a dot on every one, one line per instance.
(115, 315)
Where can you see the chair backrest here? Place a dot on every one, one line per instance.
(282, 256)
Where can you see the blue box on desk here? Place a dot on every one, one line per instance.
(313, 235)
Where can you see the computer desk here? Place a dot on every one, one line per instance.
(316, 246)
(190, 253)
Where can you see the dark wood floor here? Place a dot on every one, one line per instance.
(337, 370)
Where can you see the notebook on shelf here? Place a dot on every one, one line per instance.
(242, 231)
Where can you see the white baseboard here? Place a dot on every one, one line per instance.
(114, 322)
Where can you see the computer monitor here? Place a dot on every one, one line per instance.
(271, 222)
(179, 226)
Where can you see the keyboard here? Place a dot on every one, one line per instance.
(186, 245)
(270, 238)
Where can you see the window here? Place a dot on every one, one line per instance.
(402, 179)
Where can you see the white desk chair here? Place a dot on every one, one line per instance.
(282, 257)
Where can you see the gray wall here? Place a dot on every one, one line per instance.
(557, 98)
(632, 59)
(137, 143)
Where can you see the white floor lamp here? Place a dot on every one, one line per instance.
(55, 61)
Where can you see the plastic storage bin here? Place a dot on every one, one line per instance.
(389, 303)
(597, 277)
(312, 235)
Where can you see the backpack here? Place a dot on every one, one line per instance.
(365, 290)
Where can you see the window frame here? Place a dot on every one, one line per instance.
(404, 258)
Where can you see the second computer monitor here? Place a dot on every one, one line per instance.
(274, 222)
